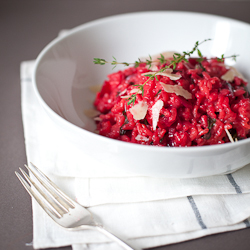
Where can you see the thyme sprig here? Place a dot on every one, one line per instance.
(115, 63)
(177, 58)
(222, 58)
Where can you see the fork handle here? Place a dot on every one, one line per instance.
(115, 238)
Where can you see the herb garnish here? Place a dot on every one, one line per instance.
(159, 91)
(230, 87)
(122, 131)
(222, 58)
(211, 122)
(246, 95)
(177, 58)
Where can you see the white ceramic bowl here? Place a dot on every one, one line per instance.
(64, 72)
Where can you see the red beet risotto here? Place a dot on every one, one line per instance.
(193, 104)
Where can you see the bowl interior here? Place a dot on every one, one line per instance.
(65, 73)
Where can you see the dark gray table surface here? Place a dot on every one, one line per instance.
(26, 26)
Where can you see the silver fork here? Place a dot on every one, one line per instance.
(62, 209)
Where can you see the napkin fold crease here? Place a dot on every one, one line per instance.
(147, 211)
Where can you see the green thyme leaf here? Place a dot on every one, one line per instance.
(99, 61)
(149, 75)
(162, 59)
(126, 121)
(199, 53)
(211, 122)
(159, 91)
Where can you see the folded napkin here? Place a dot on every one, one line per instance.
(149, 212)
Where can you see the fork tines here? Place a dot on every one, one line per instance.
(45, 192)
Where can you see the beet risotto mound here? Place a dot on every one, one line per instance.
(195, 103)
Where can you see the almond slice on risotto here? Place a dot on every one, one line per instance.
(166, 72)
(231, 73)
(156, 108)
(176, 89)
(139, 110)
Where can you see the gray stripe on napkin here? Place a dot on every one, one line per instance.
(234, 184)
(238, 191)
(196, 212)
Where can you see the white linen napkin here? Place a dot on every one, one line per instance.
(147, 211)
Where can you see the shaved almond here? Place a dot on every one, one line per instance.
(98, 119)
(139, 110)
(229, 76)
(176, 89)
(123, 92)
(167, 72)
(156, 108)
(125, 96)
(141, 138)
(231, 73)
(153, 66)
(133, 91)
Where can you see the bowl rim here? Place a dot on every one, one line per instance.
(134, 146)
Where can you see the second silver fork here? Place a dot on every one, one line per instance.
(62, 209)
